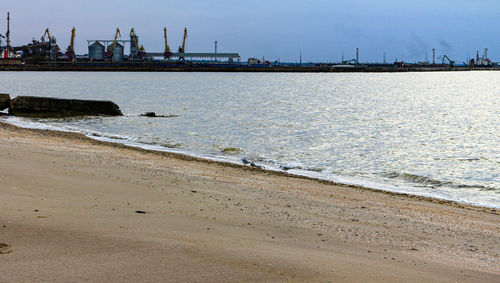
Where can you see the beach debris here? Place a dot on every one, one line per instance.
(193, 191)
(5, 249)
(140, 212)
(153, 115)
(4, 101)
(48, 107)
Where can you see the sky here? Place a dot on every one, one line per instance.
(320, 30)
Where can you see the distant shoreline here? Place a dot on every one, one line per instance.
(202, 67)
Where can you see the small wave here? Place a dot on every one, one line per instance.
(470, 159)
(426, 181)
(171, 145)
(415, 178)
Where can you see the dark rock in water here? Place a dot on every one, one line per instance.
(149, 114)
(231, 150)
(153, 115)
(4, 101)
(45, 107)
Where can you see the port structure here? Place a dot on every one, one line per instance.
(98, 46)
(178, 55)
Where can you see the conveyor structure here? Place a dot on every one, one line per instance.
(229, 56)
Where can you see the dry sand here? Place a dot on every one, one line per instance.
(69, 212)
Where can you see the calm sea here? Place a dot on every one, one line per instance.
(432, 134)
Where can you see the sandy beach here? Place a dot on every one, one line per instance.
(73, 209)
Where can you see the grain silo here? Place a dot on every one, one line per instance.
(118, 53)
(96, 51)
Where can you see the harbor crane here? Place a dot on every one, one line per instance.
(111, 48)
(70, 52)
(352, 61)
(46, 33)
(140, 52)
(182, 49)
(168, 53)
(445, 57)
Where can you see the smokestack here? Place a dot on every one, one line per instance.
(477, 56)
(357, 55)
(8, 29)
(486, 54)
(433, 56)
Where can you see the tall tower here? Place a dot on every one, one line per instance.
(215, 42)
(433, 56)
(357, 55)
(8, 30)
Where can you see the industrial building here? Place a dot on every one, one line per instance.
(96, 51)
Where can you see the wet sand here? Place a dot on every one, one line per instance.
(73, 209)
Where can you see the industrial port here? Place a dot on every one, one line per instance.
(109, 55)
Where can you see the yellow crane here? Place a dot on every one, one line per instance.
(118, 33)
(46, 33)
(183, 48)
(167, 48)
(167, 52)
(72, 45)
(70, 52)
(132, 35)
(111, 49)
(140, 51)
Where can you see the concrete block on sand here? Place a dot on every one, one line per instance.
(4, 101)
(44, 107)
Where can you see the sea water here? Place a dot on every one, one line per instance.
(432, 134)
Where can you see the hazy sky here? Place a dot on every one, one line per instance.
(275, 29)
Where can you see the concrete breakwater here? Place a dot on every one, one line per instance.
(4, 101)
(45, 107)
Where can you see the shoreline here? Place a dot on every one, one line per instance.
(189, 157)
(210, 67)
(74, 208)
